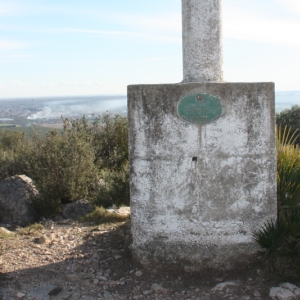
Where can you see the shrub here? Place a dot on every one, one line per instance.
(291, 119)
(110, 142)
(280, 240)
(66, 166)
(288, 169)
(115, 187)
(12, 145)
(62, 167)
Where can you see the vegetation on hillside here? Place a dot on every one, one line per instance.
(291, 118)
(279, 239)
(83, 160)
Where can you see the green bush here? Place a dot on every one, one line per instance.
(68, 165)
(280, 240)
(115, 187)
(12, 146)
(291, 119)
(110, 141)
(62, 168)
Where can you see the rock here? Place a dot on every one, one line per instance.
(221, 286)
(293, 288)
(156, 288)
(102, 278)
(285, 291)
(42, 240)
(77, 209)
(138, 273)
(280, 293)
(16, 194)
(44, 292)
(20, 295)
(147, 292)
(108, 296)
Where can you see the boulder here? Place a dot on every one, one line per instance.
(285, 291)
(16, 194)
(77, 209)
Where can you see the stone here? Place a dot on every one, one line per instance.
(42, 240)
(20, 295)
(108, 295)
(280, 293)
(147, 292)
(158, 289)
(16, 194)
(138, 273)
(77, 209)
(102, 278)
(293, 288)
(221, 286)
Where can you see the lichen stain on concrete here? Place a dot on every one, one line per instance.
(185, 208)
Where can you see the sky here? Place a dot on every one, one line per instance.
(91, 47)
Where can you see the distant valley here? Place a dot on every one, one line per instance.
(47, 112)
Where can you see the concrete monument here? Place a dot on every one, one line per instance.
(202, 156)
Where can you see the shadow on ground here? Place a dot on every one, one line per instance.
(103, 268)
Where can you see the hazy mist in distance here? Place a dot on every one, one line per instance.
(79, 106)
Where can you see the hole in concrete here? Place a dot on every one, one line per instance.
(194, 158)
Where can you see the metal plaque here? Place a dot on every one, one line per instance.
(199, 108)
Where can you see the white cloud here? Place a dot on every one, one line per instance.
(21, 84)
(149, 36)
(292, 5)
(7, 8)
(10, 45)
(166, 22)
(254, 26)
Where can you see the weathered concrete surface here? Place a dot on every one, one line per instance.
(200, 213)
(202, 41)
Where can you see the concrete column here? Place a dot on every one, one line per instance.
(202, 45)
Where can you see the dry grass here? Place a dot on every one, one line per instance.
(100, 215)
(31, 229)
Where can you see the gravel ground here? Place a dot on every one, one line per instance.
(68, 260)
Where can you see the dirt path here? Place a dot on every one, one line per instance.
(73, 261)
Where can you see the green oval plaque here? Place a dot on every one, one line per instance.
(199, 108)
